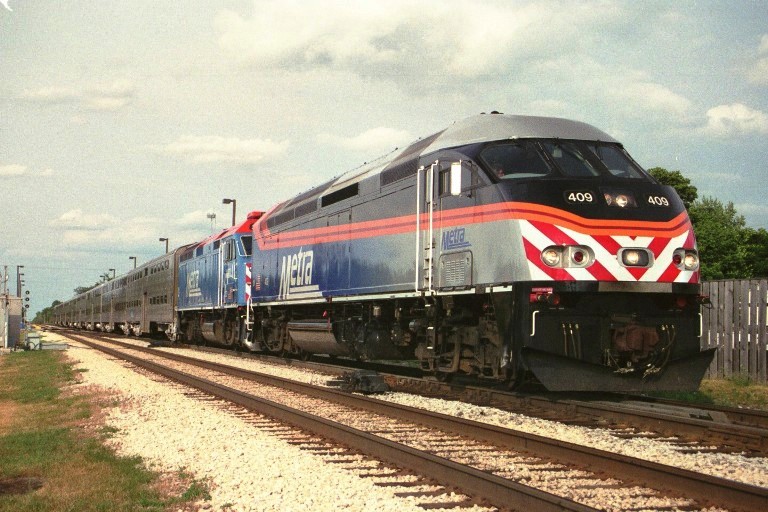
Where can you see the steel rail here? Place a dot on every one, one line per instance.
(719, 491)
(498, 491)
(738, 436)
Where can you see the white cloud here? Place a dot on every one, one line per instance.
(649, 96)
(76, 219)
(12, 170)
(734, 119)
(758, 72)
(102, 230)
(371, 141)
(213, 148)
(402, 40)
(101, 97)
(51, 94)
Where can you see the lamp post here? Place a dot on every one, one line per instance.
(134, 260)
(166, 243)
(113, 272)
(234, 208)
(211, 216)
(18, 279)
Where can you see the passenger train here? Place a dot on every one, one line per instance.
(502, 247)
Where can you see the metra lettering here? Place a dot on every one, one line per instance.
(454, 239)
(295, 271)
(193, 284)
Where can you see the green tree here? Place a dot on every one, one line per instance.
(756, 252)
(46, 314)
(722, 239)
(685, 189)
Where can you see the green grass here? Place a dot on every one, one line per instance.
(41, 437)
(737, 391)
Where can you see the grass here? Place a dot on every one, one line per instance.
(43, 440)
(737, 391)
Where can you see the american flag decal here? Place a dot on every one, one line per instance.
(248, 282)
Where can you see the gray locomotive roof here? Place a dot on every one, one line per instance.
(478, 128)
(490, 127)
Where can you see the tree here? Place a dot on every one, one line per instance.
(682, 185)
(43, 317)
(722, 240)
(756, 252)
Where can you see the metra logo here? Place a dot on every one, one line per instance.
(193, 284)
(296, 274)
(454, 239)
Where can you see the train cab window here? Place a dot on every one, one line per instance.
(572, 159)
(519, 159)
(247, 245)
(617, 161)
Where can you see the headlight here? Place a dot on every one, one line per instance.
(619, 199)
(635, 257)
(686, 259)
(551, 256)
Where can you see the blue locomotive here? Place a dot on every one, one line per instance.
(501, 247)
(214, 286)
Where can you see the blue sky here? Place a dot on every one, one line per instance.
(123, 122)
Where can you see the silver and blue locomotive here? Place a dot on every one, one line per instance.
(501, 247)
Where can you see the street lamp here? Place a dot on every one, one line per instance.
(134, 260)
(211, 216)
(113, 272)
(234, 208)
(18, 279)
(166, 243)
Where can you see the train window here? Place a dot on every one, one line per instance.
(216, 245)
(247, 245)
(570, 158)
(519, 159)
(199, 252)
(617, 161)
(229, 250)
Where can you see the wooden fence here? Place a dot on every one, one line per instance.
(737, 323)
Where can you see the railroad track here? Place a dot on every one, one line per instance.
(458, 449)
(691, 428)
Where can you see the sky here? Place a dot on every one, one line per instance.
(124, 122)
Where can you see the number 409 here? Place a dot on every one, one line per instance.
(580, 197)
(658, 200)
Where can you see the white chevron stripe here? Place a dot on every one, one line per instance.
(606, 259)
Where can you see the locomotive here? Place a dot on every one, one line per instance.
(501, 247)
(498, 247)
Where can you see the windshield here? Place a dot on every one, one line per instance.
(538, 158)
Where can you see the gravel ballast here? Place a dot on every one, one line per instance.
(249, 469)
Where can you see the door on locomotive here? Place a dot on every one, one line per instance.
(461, 336)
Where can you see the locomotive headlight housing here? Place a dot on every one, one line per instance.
(686, 259)
(567, 256)
(639, 257)
(619, 199)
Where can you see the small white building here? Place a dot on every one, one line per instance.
(10, 321)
